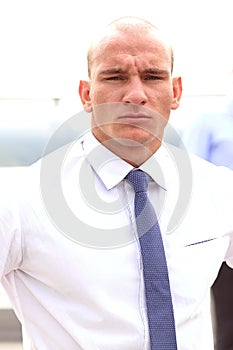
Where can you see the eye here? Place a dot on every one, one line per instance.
(152, 77)
(114, 78)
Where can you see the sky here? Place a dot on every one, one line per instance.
(44, 42)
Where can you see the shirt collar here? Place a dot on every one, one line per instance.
(112, 169)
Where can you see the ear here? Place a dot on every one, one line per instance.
(84, 93)
(177, 92)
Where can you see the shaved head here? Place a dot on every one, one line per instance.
(129, 25)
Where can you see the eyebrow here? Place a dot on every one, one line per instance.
(156, 71)
(113, 71)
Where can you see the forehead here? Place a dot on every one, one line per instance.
(118, 48)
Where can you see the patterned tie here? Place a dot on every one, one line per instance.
(157, 287)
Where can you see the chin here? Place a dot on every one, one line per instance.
(134, 142)
(136, 138)
(128, 138)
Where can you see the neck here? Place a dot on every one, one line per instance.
(131, 151)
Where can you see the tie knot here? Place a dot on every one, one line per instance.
(139, 180)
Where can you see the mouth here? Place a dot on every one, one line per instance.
(134, 118)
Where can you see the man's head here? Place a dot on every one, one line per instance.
(131, 90)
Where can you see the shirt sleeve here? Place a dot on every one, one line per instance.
(10, 234)
(224, 189)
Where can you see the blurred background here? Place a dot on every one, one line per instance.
(43, 57)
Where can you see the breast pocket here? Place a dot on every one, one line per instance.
(195, 266)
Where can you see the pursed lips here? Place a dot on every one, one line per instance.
(134, 118)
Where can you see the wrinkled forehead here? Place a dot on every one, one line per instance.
(129, 39)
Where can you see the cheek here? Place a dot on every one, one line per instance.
(164, 102)
(104, 94)
(98, 96)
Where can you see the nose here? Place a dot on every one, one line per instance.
(135, 92)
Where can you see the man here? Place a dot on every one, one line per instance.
(71, 261)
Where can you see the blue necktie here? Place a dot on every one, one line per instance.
(157, 287)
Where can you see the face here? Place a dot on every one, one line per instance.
(131, 91)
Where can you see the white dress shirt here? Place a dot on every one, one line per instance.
(70, 260)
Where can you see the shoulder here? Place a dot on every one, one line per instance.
(202, 171)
